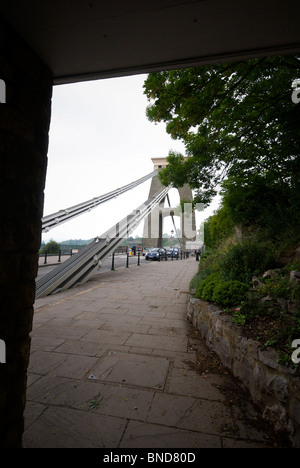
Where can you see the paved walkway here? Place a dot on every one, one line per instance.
(114, 363)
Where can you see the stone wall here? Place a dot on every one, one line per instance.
(273, 387)
(24, 126)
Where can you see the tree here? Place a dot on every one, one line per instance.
(236, 120)
(52, 247)
(218, 226)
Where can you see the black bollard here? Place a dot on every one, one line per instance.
(113, 261)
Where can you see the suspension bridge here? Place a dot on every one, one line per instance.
(79, 268)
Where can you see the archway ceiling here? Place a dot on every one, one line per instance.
(89, 39)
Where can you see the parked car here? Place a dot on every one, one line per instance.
(145, 250)
(173, 252)
(156, 254)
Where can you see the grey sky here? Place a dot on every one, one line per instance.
(100, 139)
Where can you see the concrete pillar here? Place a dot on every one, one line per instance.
(24, 126)
(153, 226)
(188, 219)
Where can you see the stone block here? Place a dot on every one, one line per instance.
(278, 386)
(273, 387)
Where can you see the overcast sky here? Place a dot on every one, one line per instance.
(100, 139)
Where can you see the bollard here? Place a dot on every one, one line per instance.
(45, 261)
(139, 254)
(127, 260)
(59, 256)
(113, 261)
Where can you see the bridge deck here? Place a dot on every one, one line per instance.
(109, 368)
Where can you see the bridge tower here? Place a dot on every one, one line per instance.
(153, 226)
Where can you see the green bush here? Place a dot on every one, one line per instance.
(206, 287)
(245, 260)
(229, 293)
(208, 265)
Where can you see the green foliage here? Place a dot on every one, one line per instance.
(206, 287)
(52, 247)
(226, 294)
(208, 265)
(218, 227)
(235, 119)
(279, 286)
(238, 318)
(262, 201)
(244, 260)
(229, 293)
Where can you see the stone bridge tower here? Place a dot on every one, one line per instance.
(153, 226)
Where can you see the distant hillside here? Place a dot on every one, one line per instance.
(76, 242)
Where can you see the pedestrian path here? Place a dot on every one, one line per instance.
(114, 363)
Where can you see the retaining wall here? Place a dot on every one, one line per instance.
(273, 387)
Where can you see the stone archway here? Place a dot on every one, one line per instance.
(153, 226)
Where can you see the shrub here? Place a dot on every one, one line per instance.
(229, 293)
(206, 287)
(208, 265)
(245, 260)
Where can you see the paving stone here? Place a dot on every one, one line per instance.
(55, 390)
(76, 366)
(189, 383)
(109, 367)
(190, 413)
(88, 348)
(105, 336)
(145, 435)
(69, 428)
(132, 369)
(157, 342)
(45, 343)
(42, 362)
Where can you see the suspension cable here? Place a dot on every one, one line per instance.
(62, 216)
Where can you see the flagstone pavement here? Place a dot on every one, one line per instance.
(112, 366)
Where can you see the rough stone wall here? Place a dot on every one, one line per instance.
(24, 126)
(273, 387)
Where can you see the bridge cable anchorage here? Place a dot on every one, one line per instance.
(62, 216)
(79, 268)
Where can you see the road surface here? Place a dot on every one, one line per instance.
(120, 262)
